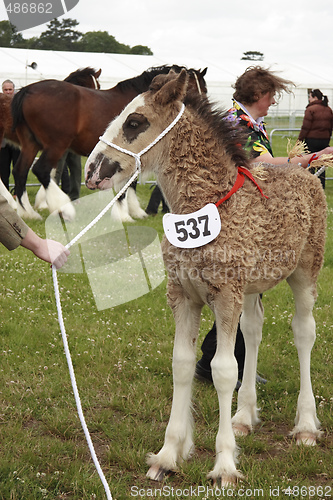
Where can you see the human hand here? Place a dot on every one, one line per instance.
(57, 253)
(49, 250)
(326, 151)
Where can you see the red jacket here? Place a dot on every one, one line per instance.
(317, 122)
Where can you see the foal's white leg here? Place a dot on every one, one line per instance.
(251, 323)
(224, 373)
(307, 424)
(178, 442)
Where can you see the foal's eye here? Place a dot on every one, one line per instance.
(134, 125)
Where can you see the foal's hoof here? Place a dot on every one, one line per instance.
(241, 430)
(306, 438)
(157, 473)
(226, 480)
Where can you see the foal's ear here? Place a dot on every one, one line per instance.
(173, 90)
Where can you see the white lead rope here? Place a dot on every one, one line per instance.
(64, 336)
(137, 157)
(320, 171)
(75, 389)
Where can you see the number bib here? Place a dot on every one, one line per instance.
(193, 230)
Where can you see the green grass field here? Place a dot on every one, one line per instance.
(122, 361)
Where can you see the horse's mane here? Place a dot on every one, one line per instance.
(80, 75)
(231, 136)
(141, 82)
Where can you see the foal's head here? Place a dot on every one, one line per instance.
(142, 122)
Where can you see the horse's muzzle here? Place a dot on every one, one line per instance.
(99, 169)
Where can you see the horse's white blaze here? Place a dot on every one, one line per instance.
(115, 126)
(110, 134)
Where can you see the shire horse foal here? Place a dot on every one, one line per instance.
(283, 216)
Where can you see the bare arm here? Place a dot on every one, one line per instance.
(48, 250)
(302, 160)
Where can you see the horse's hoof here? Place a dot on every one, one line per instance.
(157, 473)
(306, 438)
(127, 218)
(41, 206)
(241, 430)
(31, 216)
(68, 212)
(226, 480)
(141, 215)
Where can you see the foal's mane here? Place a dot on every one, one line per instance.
(226, 131)
(141, 82)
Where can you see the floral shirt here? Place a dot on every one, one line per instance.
(257, 143)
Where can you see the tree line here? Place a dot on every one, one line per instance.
(63, 35)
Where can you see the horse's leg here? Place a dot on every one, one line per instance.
(56, 199)
(178, 442)
(133, 203)
(120, 210)
(307, 424)
(251, 323)
(20, 173)
(224, 373)
(40, 199)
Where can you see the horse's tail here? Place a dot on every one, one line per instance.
(17, 107)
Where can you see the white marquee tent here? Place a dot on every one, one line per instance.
(221, 74)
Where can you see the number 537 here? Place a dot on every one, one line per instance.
(191, 229)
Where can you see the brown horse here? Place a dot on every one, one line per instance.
(85, 77)
(54, 116)
(229, 238)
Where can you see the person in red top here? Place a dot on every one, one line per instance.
(317, 124)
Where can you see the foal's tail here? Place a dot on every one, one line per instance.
(17, 107)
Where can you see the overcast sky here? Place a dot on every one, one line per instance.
(298, 31)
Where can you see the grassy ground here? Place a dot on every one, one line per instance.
(122, 361)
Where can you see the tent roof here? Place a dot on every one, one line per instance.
(221, 74)
(117, 67)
